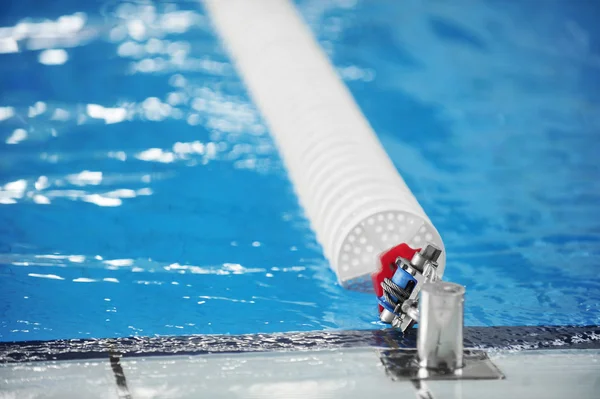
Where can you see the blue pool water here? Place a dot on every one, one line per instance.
(141, 193)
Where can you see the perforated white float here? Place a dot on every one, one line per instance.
(356, 201)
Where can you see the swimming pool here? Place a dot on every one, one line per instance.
(143, 195)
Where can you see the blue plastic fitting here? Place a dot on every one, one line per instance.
(402, 278)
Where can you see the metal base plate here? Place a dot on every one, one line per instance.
(403, 364)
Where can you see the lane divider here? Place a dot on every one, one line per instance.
(357, 202)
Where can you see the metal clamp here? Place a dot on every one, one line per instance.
(400, 293)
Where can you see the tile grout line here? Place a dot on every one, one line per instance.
(422, 390)
(119, 373)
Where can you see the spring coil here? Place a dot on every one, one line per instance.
(392, 290)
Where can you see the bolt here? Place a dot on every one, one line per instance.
(431, 252)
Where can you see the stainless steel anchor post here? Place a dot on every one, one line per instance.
(441, 318)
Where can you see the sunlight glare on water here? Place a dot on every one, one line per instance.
(141, 192)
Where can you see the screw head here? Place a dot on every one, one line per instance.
(431, 252)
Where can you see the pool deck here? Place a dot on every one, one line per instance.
(332, 373)
(342, 365)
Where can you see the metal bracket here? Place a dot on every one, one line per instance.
(439, 354)
(403, 364)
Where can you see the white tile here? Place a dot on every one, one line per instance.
(64, 380)
(531, 375)
(355, 373)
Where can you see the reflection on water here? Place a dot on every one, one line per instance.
(153, 38)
